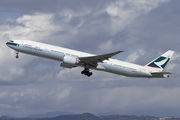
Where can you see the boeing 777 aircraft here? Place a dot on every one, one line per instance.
(72, 58)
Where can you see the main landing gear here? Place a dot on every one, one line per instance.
(87, 72)
(17, 54)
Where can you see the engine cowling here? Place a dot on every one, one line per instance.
(69, 61)
(67, 65)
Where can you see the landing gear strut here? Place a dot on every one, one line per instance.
(87, 72)
(17, 56)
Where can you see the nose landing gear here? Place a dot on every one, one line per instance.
(17, 54)
(87, 72)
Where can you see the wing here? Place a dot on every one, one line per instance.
(93, 60)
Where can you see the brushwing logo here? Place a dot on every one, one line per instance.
(160, 62)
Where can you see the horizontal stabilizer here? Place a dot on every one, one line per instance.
(161, 74)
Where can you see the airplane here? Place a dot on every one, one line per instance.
(71, 58)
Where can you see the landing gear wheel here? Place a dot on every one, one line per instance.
(82, 72)
(89, 74)
(17, 56)
(86, 72)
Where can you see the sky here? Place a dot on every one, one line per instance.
(144, 29)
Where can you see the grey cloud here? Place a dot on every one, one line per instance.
(159, 28)
(87, 26)
(46, 6)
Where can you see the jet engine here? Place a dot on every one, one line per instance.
(69, 61)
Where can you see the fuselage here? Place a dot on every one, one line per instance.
(57, 53)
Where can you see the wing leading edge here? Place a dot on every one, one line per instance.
(93, 60)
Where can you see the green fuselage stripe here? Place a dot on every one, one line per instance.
(10, 43)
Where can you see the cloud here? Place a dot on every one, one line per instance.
(124, 12)
(31, 84)
(34, 27)
(106, 46)
(171, 66)
(133, 57)
(9, 69)
(67, 74)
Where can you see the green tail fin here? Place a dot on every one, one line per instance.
(161, 61)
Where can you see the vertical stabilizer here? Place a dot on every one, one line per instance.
(160, 62)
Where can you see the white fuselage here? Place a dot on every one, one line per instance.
(58, 53)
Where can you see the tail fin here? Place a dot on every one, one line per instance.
(160, 62)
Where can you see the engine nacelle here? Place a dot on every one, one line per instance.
(72, 60)
(69, 61)
(66, 65)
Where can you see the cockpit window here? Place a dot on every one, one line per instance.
(11, 41)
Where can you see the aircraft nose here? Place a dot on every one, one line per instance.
(8, 43)
(12, 44)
